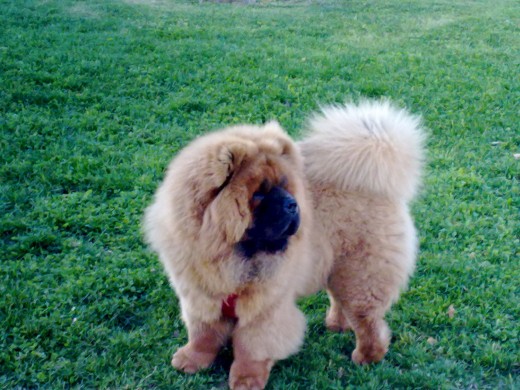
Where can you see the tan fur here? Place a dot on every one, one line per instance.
(355, 240)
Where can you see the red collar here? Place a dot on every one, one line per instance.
(228, 306)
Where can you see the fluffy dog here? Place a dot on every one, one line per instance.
(246, 221)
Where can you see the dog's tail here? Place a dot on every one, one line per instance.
(372, 146)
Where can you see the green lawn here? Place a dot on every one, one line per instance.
(95, 98)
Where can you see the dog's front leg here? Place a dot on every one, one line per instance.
(247, 373)
(205, 341)
(257, 345)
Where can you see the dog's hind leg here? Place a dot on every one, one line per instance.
(367, 278)
(359, 309)
(336, 320)
(372, 336)
(363, 285)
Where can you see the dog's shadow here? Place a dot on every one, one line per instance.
(224, 359)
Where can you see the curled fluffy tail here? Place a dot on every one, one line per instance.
(372, 147)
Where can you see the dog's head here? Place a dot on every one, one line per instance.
(239, 190)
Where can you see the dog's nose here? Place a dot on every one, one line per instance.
(290, 206)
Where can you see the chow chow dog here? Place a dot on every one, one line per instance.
(247, 220)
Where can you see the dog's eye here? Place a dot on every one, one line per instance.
(258, 197)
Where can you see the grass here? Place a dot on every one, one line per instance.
(95, 98)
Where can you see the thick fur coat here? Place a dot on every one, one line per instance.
(352, 175)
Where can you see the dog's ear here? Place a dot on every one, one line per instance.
(283, 144)
(228, 212)
(228, 159)
(274, 126)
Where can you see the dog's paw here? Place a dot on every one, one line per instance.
(359, 358)
(190, 361)
(374, 355)
(249, 375)
(248, 383)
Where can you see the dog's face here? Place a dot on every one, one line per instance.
(244, 193)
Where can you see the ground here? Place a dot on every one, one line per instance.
(95, 98)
